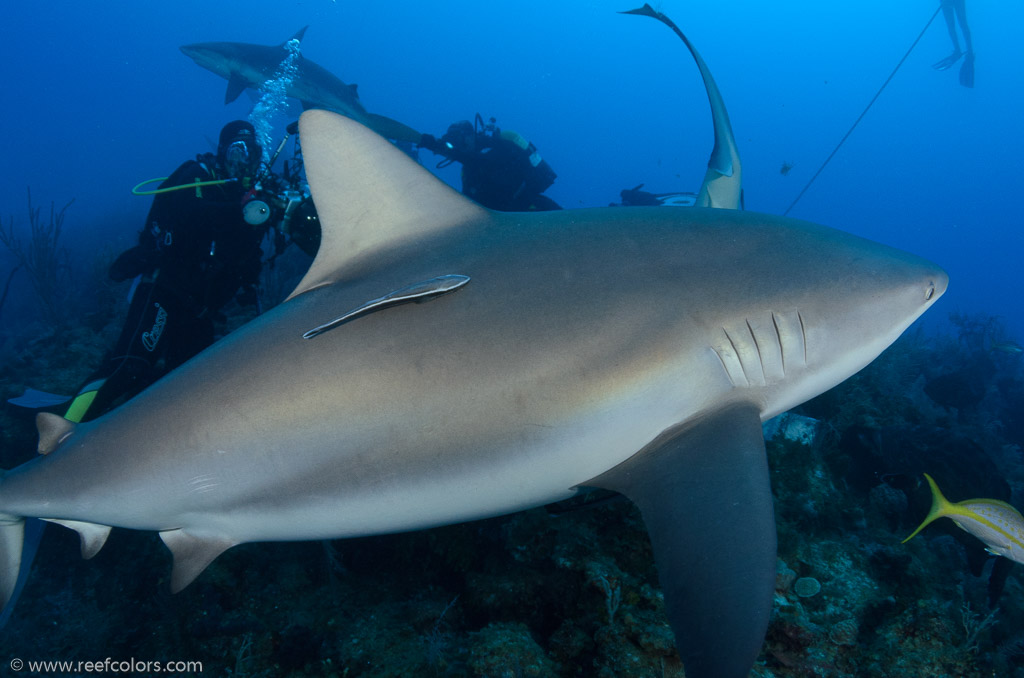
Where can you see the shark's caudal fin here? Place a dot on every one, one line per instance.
(722, 185)
(12, 537)
(704, 494)
(369, 195)
(30, 533)
(19, 538)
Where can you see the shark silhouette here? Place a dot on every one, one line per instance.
(723, 181)
(249, 66)
(633, 349)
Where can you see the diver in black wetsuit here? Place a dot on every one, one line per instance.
(196, 252)
(500, 169)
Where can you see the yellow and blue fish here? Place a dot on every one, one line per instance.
(996, 523)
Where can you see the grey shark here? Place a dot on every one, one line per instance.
(633, 349)
(245, 65)
(723, 181)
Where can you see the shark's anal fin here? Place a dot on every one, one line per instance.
(93, 536)
(236, 85)
(418, 292)
(191, 555)
(704, 493)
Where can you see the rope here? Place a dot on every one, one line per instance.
(865, 112)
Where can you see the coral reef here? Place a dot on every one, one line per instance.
(42, 258)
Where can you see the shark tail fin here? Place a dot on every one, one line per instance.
(940, 508)
(19, 539)
(12, 538)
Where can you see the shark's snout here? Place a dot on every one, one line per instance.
(937, 285)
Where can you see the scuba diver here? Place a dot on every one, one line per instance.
(500, 169)
(956, 11)
(637, 197)
(199, 248)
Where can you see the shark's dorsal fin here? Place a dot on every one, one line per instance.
(236, 85)
(53, 430)
(298, 36)
(355, 90)
(369, 195)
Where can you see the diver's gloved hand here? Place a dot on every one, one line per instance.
(133, 262)
(247, 296)
(429, 142)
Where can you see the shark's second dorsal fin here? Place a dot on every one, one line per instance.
(53, 430)
(368, 195)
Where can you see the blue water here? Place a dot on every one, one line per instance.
(97, 97)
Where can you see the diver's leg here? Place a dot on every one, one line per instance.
(130, 366)
(967, 67)
(961, 14)
(949, 12)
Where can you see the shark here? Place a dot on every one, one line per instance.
(441, 363)
(249, 66)
(723, 182)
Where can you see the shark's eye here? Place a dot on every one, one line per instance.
(930, 292)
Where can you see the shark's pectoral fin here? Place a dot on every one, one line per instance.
(93, 536)
(236, 85)
(191, 555)
(704, 494)
(418, 292)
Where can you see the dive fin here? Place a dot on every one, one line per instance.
(236, 85)
(369, 196)
(704, 494)
(191, 555)
(967, 71)
(53, 430)
(418, 292)
(93, 536)
(946, 63)
(33, 399)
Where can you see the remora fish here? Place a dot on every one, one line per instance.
(633, 349)
(249, 66)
